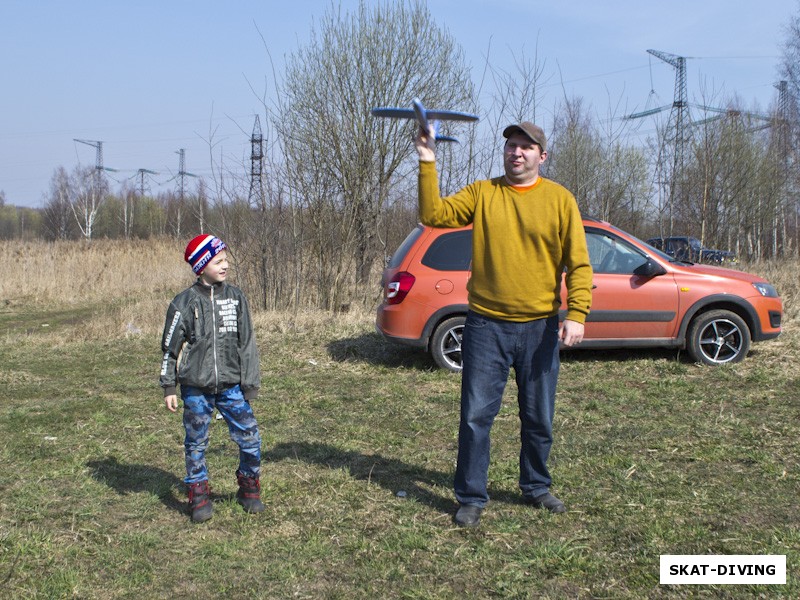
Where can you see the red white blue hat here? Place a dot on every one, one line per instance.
(201, 250)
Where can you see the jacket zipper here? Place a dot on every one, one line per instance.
(214, 334)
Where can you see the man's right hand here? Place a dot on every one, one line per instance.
(425, 142)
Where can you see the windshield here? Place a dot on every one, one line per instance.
(650, 249)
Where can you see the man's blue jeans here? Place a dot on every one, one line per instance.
(197, 410)
(490, 347)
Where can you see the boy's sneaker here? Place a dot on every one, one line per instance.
(199, 501)
(249, 494)
(548, 501)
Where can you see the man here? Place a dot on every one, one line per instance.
(526, 231)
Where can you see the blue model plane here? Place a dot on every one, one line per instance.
(424, 116)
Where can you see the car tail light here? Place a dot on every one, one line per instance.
(398, 287)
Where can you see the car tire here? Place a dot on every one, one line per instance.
(446, 343)
(718, 337)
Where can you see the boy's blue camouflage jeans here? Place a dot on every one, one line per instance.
(198, 408)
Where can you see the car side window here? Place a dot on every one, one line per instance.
(609, 254)
(450, 252)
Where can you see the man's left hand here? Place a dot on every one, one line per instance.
(570, 333)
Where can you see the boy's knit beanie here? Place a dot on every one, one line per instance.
(201, 250)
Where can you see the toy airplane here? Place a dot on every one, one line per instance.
(424, 116)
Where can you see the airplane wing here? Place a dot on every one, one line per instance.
(437, 115)
(423, 116)
(449, 115)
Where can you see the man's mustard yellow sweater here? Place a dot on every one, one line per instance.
(522, 241)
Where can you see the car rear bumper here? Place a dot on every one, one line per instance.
(395, 325)
(405, 326)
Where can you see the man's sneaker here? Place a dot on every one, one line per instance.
(468, 515)
(548, 501)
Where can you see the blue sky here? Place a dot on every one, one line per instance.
(150, 77)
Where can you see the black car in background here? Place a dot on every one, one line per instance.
(690, 249)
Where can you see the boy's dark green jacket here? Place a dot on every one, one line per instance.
(208, 341)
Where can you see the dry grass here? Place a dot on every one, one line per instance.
(135, 279)
(142, 275)
(124, 287)
(70, 273)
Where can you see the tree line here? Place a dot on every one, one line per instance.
(337, 193)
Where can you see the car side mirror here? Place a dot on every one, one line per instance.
(649, 269)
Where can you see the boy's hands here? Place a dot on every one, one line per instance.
(171, 402)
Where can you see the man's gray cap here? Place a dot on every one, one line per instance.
(534, 132)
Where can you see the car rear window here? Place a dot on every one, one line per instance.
(450, 252)
(403, 249)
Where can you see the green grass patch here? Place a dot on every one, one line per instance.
(653, 455)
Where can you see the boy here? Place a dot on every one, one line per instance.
(210, 350)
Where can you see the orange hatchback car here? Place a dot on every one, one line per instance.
(641, 298)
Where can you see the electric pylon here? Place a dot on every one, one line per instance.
(182, 174)
(679, 115)
(98, 166)
(676, 136)
(141, 173)
(783, 121)
(256, 165)
(256, 197)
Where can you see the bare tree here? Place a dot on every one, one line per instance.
(58, 219)
(128, 199)
(342, 159)
(788, 122)
(89, 189)
(608, 177)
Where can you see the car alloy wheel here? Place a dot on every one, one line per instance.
(446, 343)
(718, 337)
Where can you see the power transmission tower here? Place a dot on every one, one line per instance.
(676, 136)
(679, 116)
(256, 196)
(181, 177)
(182, 174)
(98, 167)
(257, 165)
(141, 175)
(782, 136)
(783, 121)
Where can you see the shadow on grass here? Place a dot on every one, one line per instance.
(372, 349)
(133, 478)
(620, 355)
(390, 473)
